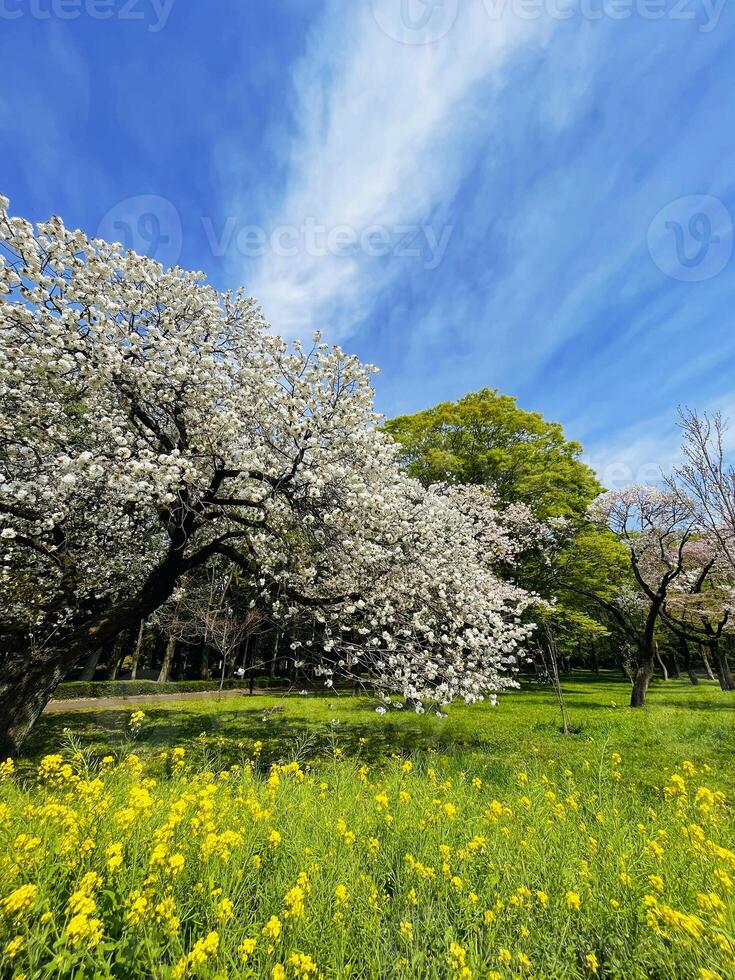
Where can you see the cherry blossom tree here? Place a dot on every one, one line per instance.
(149, 424)
(700, 602)
(656, 526)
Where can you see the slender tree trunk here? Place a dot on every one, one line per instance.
(661, 663)
(642, 679)
(687, 658)
(137, 651)
(168, 660)
(676, 669)
(724, 674)
(90, 667)
(117, 659)
(707, 664)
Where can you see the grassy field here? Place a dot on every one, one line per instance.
(680, 721)
(329, 841)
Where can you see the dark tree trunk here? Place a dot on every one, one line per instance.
(686, 656)
(28, 680)
(26, 686)
(724, 674)
(117, 658)
(676, 669)
(90, 668)
(137, 651)
(642, 679)
(205, 662)
(168, 660)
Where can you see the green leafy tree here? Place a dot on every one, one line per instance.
(486, 439)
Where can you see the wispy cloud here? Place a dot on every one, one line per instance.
(385, 133)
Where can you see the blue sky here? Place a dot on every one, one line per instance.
(534, 195)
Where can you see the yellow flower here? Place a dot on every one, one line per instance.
(381, 799)
(294, 902)
(203, 949)
(18, 902)
(504, 956)
(246, 949)
(592, 962)
(225, 909)
(301, 964)
(407, 930)
(165, 914)
(272, 928)
(83, 929)
(543, 898)
(278, 973)
(175, 863)
(14, 947)
(616, 758)
(138, 907)
(114, 857)
(457, 957)
(573, 900)
(274, 838)
(341, 894)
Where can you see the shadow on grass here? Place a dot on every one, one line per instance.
(231, 734)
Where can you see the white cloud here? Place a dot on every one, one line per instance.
(383, 131)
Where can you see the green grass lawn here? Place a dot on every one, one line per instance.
(680, 721)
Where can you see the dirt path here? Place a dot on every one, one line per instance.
(101, 704)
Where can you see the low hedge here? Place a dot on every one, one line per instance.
(68, 690)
